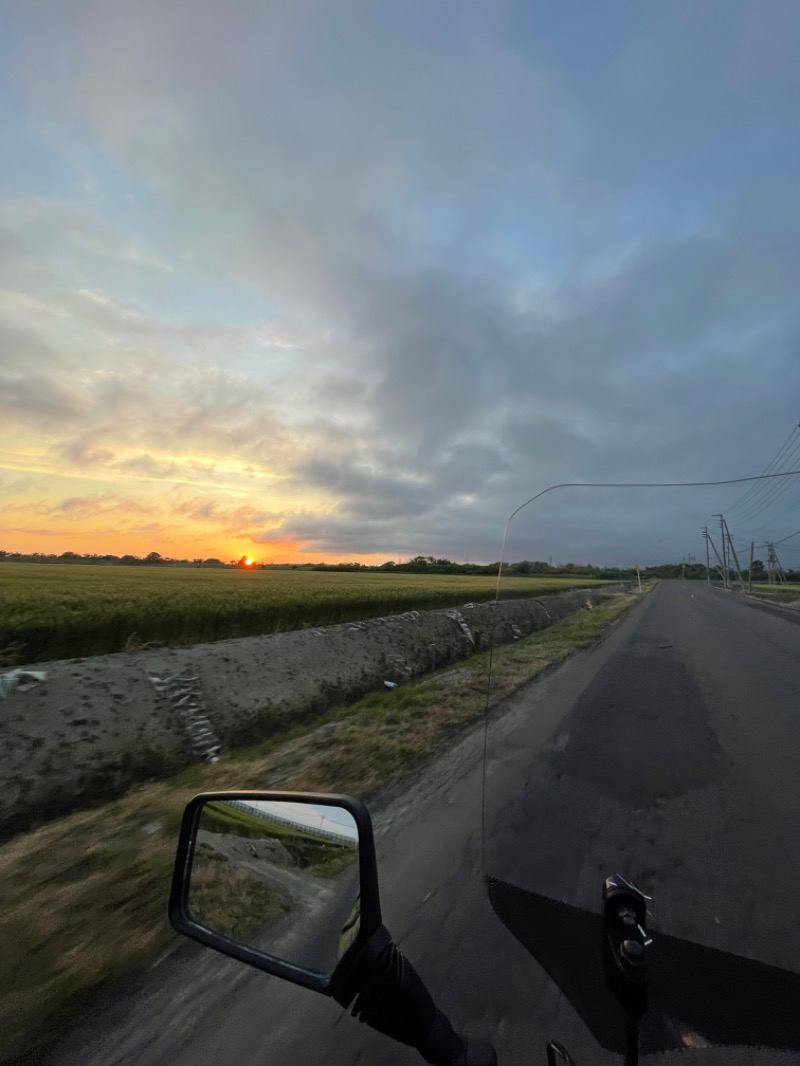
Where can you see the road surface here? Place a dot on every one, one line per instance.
(669, 752)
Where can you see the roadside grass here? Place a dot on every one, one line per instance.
(228, 900)
(332, 867)
(83, 900)
(785, 595)
(221, 819)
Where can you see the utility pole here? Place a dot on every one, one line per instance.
(778, 567)
(750, 571)
(713, 545)
(724, 556)
(733, 555)
(708, 561)
(775, 570)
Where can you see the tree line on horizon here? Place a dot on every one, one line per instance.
(419, 564)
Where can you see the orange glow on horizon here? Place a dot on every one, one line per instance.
(91, 514)
(174, 543)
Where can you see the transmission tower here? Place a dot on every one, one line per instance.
(775, 574)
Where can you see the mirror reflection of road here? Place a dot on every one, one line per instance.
(731, 815)
(308, 935)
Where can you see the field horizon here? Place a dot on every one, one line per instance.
(61, 612)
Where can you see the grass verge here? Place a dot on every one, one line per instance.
(230, 901)
(83, 900)
(784, 595)
(222, 819)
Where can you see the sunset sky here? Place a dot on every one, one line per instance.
(344, 280)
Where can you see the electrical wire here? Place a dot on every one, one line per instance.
(777, 518)
(747, 498)
(773, 499)
(795, 534)
(586, 485)
(754, 488)
(627, 485)
(760, 493)
(773, 492)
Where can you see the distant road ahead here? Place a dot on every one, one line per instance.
(670, 752)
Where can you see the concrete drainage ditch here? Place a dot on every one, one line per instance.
(96, 727)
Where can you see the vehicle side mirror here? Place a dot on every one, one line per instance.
(286, 882)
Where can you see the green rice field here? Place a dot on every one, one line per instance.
(51, 611)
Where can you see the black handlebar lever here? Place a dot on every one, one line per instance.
(625, 943)
(557, 1055)
(625, 962)
(624, 918)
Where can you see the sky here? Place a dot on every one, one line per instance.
(330, 818)
(302, 281)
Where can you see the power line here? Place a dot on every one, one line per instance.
(759, 493)
(754, 488)
(772, 493)
(795, 534)
(777, 518)
(626, 485)
(768, 503)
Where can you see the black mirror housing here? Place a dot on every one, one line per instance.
(183, 921)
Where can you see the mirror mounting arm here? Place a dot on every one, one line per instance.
(388, 995)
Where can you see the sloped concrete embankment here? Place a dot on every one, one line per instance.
(96, 727)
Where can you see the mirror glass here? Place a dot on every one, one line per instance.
(279, 877)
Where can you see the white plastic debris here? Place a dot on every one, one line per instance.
(458, 618)
(184, 694)
(390, 684)
(20, 681)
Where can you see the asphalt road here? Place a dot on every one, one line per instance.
(670, 753)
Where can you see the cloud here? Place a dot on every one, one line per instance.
(230, 520)
(96, 504)
(79, 508)
(33, 386)
(82, 452)
(36, 532)
(490, 250)
(145, 259)
(89, 295)
(142, 413)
